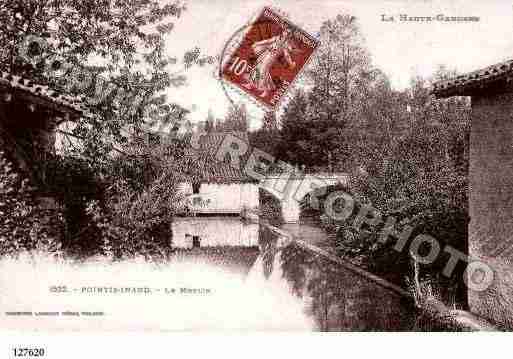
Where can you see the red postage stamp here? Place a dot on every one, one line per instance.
(269, 58)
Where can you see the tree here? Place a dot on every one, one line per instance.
(210, 122)
(134, 217)
(267, 138)
(340, 69)
(269, 122)
(296, 135)
(126, 40)
(236, 119)
(422, 142)
(118, 46)
(339, 74)
(413, 166)
(383, 120)
(78, 29)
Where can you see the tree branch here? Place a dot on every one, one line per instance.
(83, 138)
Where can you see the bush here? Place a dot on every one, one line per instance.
(134, 216)
(134, 224)
(270, 208)
(23, 225)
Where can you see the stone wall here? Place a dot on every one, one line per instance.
(491, 203)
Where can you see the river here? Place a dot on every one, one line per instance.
(329, 296)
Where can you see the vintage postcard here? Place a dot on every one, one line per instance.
(289, 165)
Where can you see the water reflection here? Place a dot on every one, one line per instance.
(333, 297)
(196, 232)
(339, 299)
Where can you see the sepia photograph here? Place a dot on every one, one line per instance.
(255, 166)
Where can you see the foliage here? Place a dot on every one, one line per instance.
(294, 146)
(237, 119)
(135, 216)
(72, 181)
(120, 43)
(424, 160)
(341, 69)
(314, 122)
(411, 163)
(129, 190)
(268, 137)
(270, 122)
(22, 226)
(79, 29)
(270, 208)
(406, 153)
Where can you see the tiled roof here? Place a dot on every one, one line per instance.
(63, 102)
(210, 142)
(470, 83)
(210, 169)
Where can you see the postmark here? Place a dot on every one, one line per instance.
(269, 58)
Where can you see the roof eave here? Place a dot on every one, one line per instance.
(42, 96)
(475, 88)
(65, 111)
(495, 78)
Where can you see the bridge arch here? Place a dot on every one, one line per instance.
(292, 190)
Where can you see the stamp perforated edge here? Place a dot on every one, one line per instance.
(229, 50)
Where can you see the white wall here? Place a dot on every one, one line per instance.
(224, 198)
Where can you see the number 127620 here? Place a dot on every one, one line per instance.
(28, 352)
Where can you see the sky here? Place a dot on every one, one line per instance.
(400, 49)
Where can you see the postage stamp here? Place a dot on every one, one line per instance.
(269, 57)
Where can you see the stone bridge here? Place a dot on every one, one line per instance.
(291, 190)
